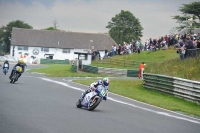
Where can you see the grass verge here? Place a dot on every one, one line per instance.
(145, 56)
(57, 70)
(135, 90)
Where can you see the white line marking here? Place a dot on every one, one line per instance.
(157, 112)
(145, 103)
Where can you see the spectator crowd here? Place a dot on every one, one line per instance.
(187, 45)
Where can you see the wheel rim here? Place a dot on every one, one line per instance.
(92, 102)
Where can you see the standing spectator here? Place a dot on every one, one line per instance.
(119, 49)
(115, 50)
(146, 44)
(180, 49)
(150, 41)
(166, 39)
(112, 52)
(141, 45)
(141, 70)
(189, 46)
(106, 53)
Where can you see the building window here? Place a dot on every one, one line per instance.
(22, 48)
(45, 49)
(19, 48)
(66, 50)
(26, 48)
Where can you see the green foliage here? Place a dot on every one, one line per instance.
(124, 27)
(50, 28)
(7, 30)
(191, 10)
(133, 89)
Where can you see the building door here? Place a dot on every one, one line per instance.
(50, 57)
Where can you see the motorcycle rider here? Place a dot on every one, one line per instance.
(21, 64)
(6, 64)
(93, 87)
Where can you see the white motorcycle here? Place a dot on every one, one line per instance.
(93, 98)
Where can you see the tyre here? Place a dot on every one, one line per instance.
(14, 77)
(78, 104)
(95, 104)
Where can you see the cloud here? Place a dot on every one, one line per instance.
(91, 15)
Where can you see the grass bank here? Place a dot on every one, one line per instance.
(135, 90)
(187, 69)
(57, 70)
(158, 56)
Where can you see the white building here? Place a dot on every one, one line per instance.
(61, 45)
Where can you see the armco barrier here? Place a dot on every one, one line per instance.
(51, 61)
(74, 68)
(132, 73)
(90, 69)
(179, 87)
(111, 71)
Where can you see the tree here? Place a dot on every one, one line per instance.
(124, 27)
(7, 30)
(191, 10)
(55, 26)
(50, 28)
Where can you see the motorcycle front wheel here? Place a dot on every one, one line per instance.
(94, 103)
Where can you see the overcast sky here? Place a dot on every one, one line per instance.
(92, 15)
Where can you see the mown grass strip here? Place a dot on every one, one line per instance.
(135, 90)
(59, 70)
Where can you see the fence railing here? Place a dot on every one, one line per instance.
(193, 52)
(119, 62)
(51, 61)
(179, 87)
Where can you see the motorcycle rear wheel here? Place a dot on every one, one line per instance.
(78, 104)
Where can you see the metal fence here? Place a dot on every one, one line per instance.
(111, 71)
(193, 53)
(51, 61)
(90, 69)
(179, 87)
(119, 62)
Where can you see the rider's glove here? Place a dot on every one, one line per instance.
(105, 98)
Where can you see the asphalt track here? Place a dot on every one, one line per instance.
(39, 104)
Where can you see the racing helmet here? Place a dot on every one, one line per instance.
(21, 62)
(106, 81)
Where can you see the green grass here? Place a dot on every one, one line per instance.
(134, 90)
(187, 69)
(145, 56)
(58, 70)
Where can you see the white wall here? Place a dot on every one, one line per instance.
(58, 54)
(88, 61)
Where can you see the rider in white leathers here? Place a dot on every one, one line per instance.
(93, 87)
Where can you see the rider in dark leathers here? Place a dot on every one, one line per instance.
(22, 65)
